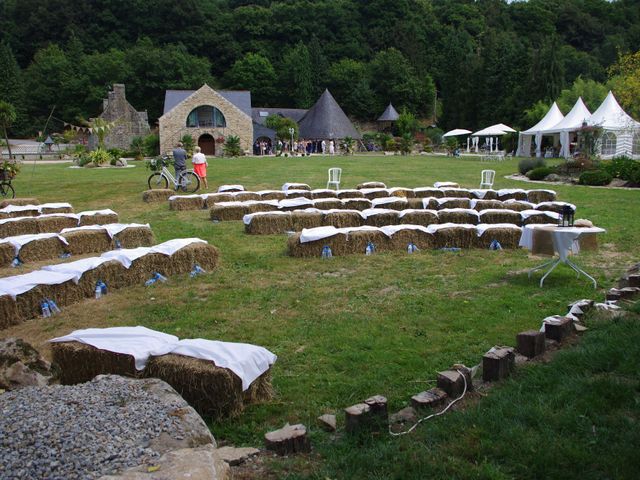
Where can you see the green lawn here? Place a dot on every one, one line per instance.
(355, 326)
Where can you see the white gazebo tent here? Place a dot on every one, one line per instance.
(496, 131)
(621, 133)
(552, 117)
(457, 132)
(569, 125)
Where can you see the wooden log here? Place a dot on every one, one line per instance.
(633, 280)
(530, 343)
(327, 422)
(629, 293)
(289, 439)
(431, 398)
(378, 411)
(558, 331)
(498, 364)
(453, 382)
(358, 418)
(613, 294)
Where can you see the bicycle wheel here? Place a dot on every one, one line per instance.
(7, 191)
(157, 181)
(189, 182)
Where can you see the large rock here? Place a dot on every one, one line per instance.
(21, 365)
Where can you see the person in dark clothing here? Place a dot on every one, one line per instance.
(179, 159)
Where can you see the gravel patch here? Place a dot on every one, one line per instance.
(82, 431)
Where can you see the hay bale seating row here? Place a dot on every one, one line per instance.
(19, 201)
(54, 222)
(346, 241)
(270, 223)
(31, 210)
(214, 391)
(69, 283)
(74, 241)
(209, 200)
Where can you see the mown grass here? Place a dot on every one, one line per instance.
(354, 326)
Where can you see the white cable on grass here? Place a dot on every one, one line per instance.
(433, 414)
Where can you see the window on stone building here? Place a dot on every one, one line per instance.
(206, 116)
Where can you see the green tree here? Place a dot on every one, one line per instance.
(7, 117)
(255, 73)
(625, 79)
(282, 125)
(349, 83)
(592, 93)
(296, 80)
(11, 87)
(407, 124)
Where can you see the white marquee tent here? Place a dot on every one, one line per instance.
(457, 132)
(621, 133)
(496, 131)
(552, 118)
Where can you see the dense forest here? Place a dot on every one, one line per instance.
(484, 61)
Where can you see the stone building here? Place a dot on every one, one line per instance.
(127, 121)
(209, 116)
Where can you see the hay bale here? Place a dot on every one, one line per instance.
(186, 202)
(400, 240)
(98, 219)
(539, 196)
(134, 237)
(542, 217)
(357, 241)
(414, 203)
(458, 215)
(62, 209)
(350, 194)
(223, 212)
(382, 218)
(488, 205)
(429, 203)
(337, 243)
(457, 193)
(551, 207)
(508, 236)
(426, 192)
(402, 192)
(272, 195)
(517, 205)
(365, 185)
(342, 219)
(211, 199)
(356, 203)
(63, 294)
(8, 312)
(295, 186)
(448, 202)
(418, 217)
(79, 363)
(213, 391)
(19, 201)
(245, 196)
(27, 212)
(7, 254)
(23, 226)
(82, 242)
(328, 204)
(42, 249)
(375, 193)
(269, 224)
(488, 195)
(301, 219)
(111, 272)
(323, 193)
(143, 268)
(260, 206)
(298, 194)
(159, 195)
(204, 254)
(400, 204)
(454, 236)
(260, 390)
(502, 196)
(500, 216)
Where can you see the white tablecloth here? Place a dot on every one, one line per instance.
(564, 238)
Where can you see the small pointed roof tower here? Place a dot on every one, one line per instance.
(327, 120)
(390, 114)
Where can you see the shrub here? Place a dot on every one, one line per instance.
(83, 159)
(137, 147)
(116, 152)
(232, 146)
(188, 142)
(151, 145)
(540, 173)
(595, 177)
(635, 177)
(100, 156)
(527, 164)
(621, 167)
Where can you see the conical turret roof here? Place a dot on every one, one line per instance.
(327, 120)
(390, 114)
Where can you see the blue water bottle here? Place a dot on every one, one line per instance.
(370, 249)
(98, 291)
(46, 313)
(53, 307)
(326, 252)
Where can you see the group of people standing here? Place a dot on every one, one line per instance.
(307, 147)
(198, 160)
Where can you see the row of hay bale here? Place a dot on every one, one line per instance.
(214, 391)
(346, 241)
(33, 210)
(74, 241)
(66, 283)
(269, 223)
(209, 200)
(54, 222)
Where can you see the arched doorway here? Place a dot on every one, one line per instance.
(207, 144)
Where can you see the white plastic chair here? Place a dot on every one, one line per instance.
(487, 178)
(334, 178)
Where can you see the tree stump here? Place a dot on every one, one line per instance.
(498, 364)
(633, 280)
(613, 294)
(559, 330)
(629, 293)
(358, 418)
(530, 343)
(431, 398)
(453, 382)
(378, 411)
(289, 439)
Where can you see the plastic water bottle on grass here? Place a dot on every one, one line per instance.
(197, 270)
(65, 255)
(53, 307)
(118, 244)
(160, 277)
(326, 252)
(46, 313)
(98, 291)
(411, 248)
(16, 262)
(370, 250)
(495, 245)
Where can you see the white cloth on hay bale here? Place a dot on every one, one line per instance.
(19, 241)
(111, 229)
(230, 188)
(19, 284)
(77, 268)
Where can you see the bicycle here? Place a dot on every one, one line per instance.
(188, 181)
(6, 189)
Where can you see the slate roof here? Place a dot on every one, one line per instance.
(327, 120)
(240, 98)
(292, 113)
(390, 114)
